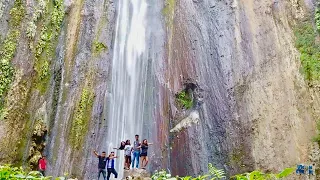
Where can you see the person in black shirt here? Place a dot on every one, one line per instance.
(122, 145)
(102, 164)
(144, 153)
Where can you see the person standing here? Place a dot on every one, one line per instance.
(42, 163)
(122, 146)
(102, 164)
(136, 151)
(144, 153)
(127, 151)
(110, 165)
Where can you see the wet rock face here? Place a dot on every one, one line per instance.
(251, 108)
(242, 54)
(61, 75)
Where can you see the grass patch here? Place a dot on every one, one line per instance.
(317, 138)
(309, 50)
(317, 16)
(44, 50)
(81, 118)
(8, 50)
(184, 99)
(98, 47)
(168, 11)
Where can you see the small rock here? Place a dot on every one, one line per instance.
(138, 174)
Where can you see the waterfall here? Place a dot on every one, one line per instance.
(129, 75)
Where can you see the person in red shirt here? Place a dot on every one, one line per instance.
(42, 163)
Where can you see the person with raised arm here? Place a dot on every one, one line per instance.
(122, 145)
(102, 163)
(144, 153)
(110, 165)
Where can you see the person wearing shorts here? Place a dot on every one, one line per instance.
(144, 153)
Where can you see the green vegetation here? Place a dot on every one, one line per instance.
(184, 99)
(317, 16)
(98, 47)
(168, 12)
(257, 175)
(8, 50)
(317, 138)
(81, 118)
(309, 50)
(44, 50)
(10, 172)
(237, 156)
(7, 71)
(215, 174)
(17, 13)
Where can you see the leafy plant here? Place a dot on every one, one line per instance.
(215, 173)
(9, 172)
(98, 47)
(317, 16)
(257, 175)
(309, 50)
(184, 99)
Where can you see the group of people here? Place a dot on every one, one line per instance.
(132, 155)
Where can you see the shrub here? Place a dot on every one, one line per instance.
(215, 174)
(309, 50)
(98, 47)
(10, 172)
(184, 99)
(257, 175)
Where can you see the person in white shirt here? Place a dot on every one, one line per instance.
(127, 152)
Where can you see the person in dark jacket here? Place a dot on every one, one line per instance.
(102, 163)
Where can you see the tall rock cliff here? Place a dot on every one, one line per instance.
(225, 84)
(256, 111)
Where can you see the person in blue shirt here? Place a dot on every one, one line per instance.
(110, 165)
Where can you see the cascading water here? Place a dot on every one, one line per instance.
(129, 76)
